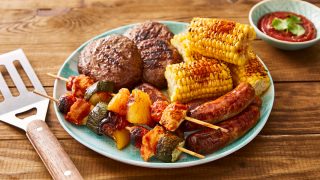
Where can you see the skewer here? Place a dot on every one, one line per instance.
(181, 149)
(65, 79)
(58, 77)
(186, 118)
(46, 96)
(205, 124)
(129, 128)
(191, 152)
(171, 121)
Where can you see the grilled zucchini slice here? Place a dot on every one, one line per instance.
(95, 117)
(100, 86)
(167, 147)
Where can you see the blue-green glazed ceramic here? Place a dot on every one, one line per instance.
(131, 155)
(306, 9)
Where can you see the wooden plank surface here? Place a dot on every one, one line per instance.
(275, 157)
(49, 31)
(36, 26)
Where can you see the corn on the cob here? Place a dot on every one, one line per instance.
(198, 79)
(221, 39)
(253, 72)
(181, 42)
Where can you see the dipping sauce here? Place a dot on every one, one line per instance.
(265, 25)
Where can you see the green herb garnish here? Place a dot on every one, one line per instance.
(291, 24)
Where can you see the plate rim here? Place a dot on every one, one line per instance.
(160, 165)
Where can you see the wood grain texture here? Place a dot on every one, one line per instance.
(49, 31)
(51, 152)
(63, 21)
(295, 110)
(94, 17)
(30, 4)
(274, 157)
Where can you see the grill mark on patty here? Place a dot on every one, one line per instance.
(156, 55)
(149, 30)
(108, 58)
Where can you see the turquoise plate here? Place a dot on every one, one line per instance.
(131, 155)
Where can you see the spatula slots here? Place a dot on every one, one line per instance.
(45, 143)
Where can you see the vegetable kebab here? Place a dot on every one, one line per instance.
(76, 84)
(96, 118)
(163, 145)
(84, 87)
(172, 115)
(101, 120)
(77, 109)
(137, 105)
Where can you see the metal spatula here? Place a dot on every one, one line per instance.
(45, 143)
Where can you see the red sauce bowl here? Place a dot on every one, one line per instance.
(308, 10)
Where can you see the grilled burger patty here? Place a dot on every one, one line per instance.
(149, 30)
(156, 54)
(113, 58)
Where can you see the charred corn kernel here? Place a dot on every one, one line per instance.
(197, 79)
(181, 42)
(221, 39)
(253, 72)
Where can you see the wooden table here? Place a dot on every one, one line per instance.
(287, 147)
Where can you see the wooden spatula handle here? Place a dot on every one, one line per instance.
(51, 152)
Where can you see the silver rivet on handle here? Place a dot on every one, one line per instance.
(67, 173)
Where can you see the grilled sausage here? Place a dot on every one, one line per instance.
(191, 105)
(257, 101)
(189, 126)
(207, 141)
(153, 92)
(197, 102)
(222, 108)
(225, 106)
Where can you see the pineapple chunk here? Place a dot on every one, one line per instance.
(122, 138)
(139, 105)
(118, 103)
